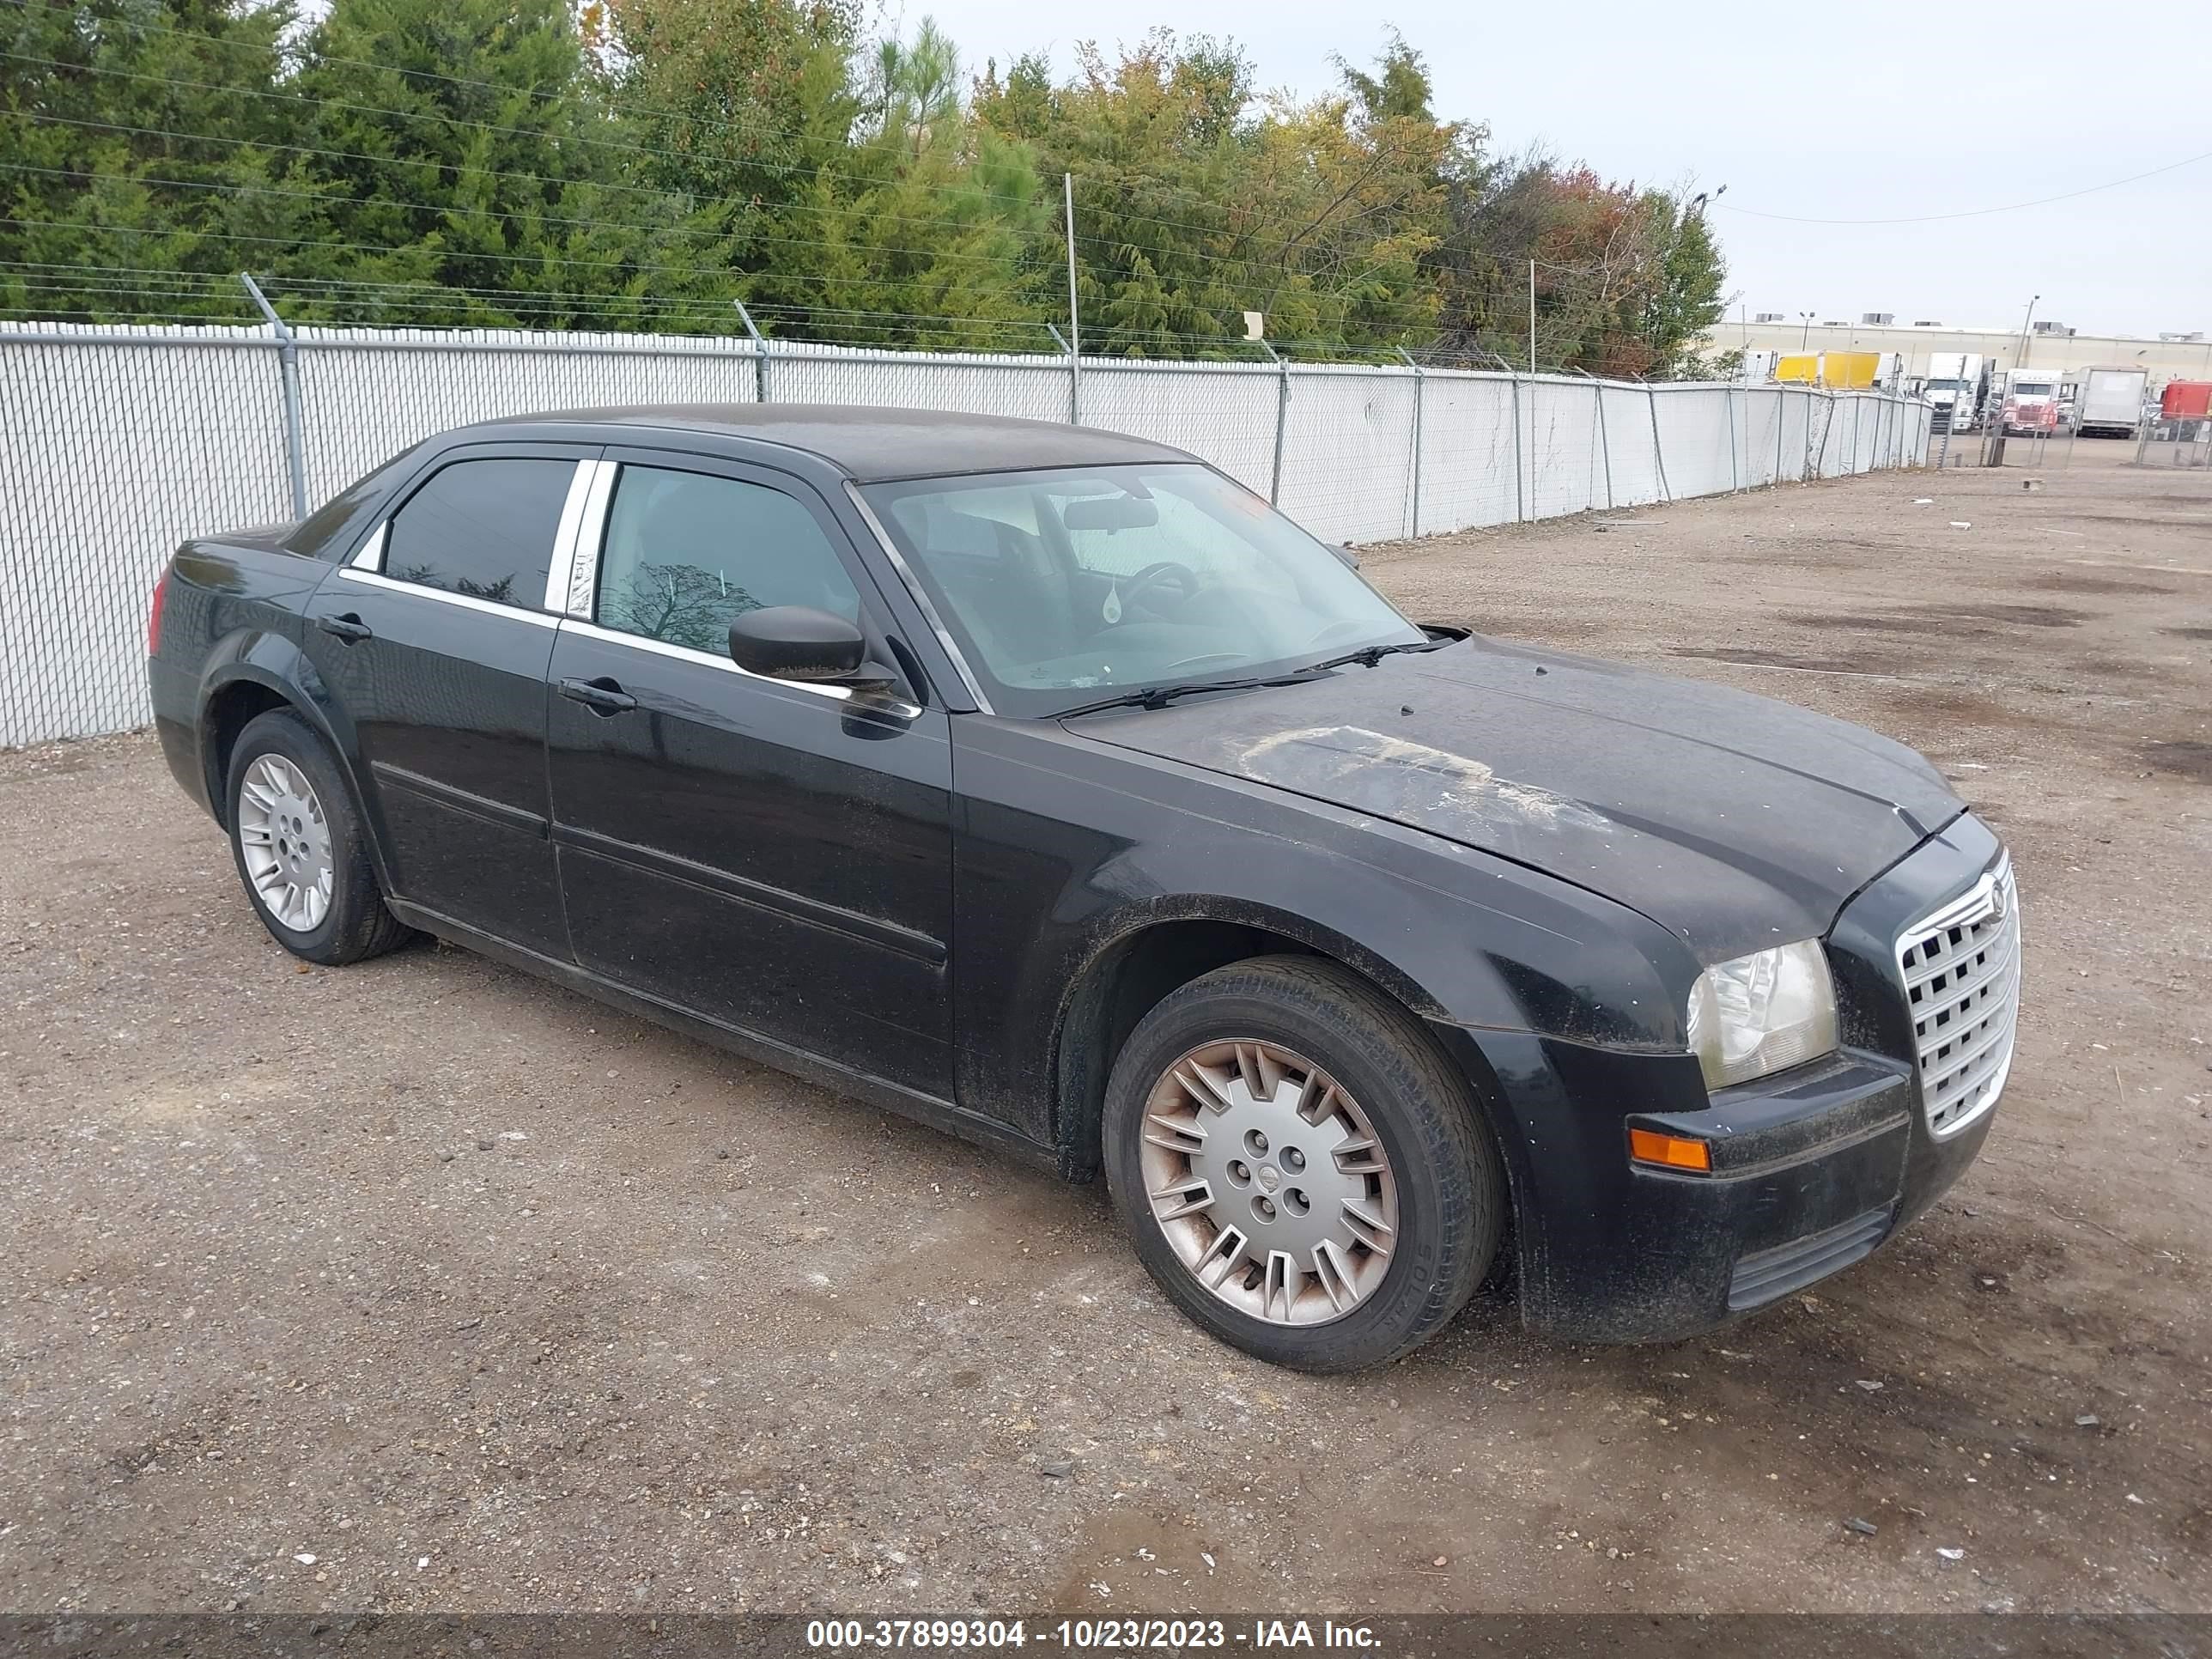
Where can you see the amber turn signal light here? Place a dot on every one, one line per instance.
(1669, 1151)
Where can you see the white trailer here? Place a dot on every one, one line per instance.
(2108, 403)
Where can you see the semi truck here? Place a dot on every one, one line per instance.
(1959, 387)
(2108, 403)
(2031, 402)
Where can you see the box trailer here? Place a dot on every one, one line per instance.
(1850, 371)
(2108, 403)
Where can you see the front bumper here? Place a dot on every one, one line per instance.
(1812, 1169)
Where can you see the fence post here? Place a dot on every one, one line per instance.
(288, 368)
(1519, 512)
(1419, 379)
(760, 352)
(1604, 442)
(1074, 371)
(1658, 448)
(1282, 419)
(1727, 403)
(1781, 420)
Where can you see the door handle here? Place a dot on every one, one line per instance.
(349, 627)
(601, 695)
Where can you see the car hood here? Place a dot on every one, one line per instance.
(1733, 820)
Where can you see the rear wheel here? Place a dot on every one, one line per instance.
(1299, 1167)
(299, 846)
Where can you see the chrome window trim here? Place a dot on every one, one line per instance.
(708, 659)
(920, 597)
(583, 569)
(369, 556)
(564, 537)
(466, 601)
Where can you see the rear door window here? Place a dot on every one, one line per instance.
(482, 528)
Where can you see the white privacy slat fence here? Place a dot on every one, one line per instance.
(121, 442)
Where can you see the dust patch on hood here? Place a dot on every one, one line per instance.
(1397, 778)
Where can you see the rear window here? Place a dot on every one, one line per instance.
(483, 528)
(334, 529)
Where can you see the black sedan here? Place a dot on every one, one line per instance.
(1050, 786)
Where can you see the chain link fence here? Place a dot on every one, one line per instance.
(121, 442)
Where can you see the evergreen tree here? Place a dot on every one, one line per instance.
(928, 213)
(127, 128)
(460, 149)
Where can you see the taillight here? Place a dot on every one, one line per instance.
(153, 615)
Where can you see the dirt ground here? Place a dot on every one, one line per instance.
(422, 1285)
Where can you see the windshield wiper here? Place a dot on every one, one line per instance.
(1368, 655)
(1159, 696)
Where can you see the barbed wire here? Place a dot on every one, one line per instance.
(1318, 350)
(382, 301)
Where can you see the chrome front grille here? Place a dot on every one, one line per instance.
(1961, 967)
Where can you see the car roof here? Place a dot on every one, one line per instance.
(870, 445)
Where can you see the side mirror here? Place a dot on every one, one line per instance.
(796, 642)
(1350, 558)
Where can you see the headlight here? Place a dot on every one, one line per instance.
(1762, 1012)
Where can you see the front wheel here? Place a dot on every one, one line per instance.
(300, 849)
(1299, 1167)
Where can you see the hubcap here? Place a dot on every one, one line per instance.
(287, 842)
(1269, 1182)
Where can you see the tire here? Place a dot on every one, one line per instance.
(1445, 1173)
(354, 923)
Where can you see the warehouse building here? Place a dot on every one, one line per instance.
(2052, 347)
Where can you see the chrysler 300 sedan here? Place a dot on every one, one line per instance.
(1051, 787)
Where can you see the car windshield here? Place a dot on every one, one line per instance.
(1067, 585)
(1943, 386)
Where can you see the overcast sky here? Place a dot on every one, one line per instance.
(1861, 111)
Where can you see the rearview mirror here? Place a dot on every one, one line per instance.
(798, 642)
(1110, 513)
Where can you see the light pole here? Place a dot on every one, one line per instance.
(2019, 357)
(1805, 339)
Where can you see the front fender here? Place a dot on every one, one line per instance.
(1069, 849)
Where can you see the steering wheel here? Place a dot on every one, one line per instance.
(1153, 577)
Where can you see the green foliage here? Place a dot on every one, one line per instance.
(645, 163)
(123, 126)
(1196, 206)
(1625, 280)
